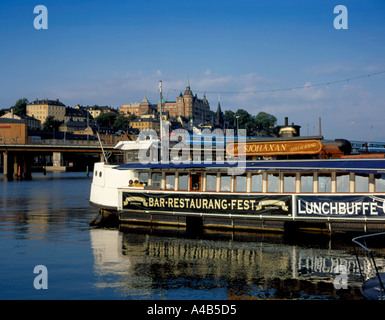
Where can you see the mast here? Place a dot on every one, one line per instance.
(163, 146)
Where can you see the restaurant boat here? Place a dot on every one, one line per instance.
(286, 183)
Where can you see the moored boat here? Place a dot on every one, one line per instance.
(301, 182)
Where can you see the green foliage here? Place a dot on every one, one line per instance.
(265, 121)
(121, 122)
(106, 119)
(20, 106)
(261, 122)
(51, 124)
(114, 121)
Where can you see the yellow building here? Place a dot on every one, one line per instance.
(145, 123)
(132, 108)
(95, 111)
(41, 109)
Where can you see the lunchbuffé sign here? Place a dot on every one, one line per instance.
(344, 206)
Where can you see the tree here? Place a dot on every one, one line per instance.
(121, 122)
(245, 119)
(106, 119)
(230, 118)
(20, 106)
(265, 121)
(51, 124)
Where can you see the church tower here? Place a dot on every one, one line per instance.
(188, 100)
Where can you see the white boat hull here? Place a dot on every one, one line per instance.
(105, 183)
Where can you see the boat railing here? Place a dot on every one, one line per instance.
(361, 241)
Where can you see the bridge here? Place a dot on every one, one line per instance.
(18, 160)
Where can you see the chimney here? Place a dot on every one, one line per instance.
(286, 121)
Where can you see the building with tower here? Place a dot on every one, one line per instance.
(186, 105)
(189, 106)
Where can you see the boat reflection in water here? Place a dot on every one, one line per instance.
(141, 263)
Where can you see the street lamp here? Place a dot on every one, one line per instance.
(353, 124)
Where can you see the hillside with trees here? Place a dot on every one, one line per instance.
(263, 124)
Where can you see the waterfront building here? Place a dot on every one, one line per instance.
(145, 123)
(12, 131)
(139, 109)
(186, 105)
(77, 114)
(72, 126)
(41, 109)
(32, 123)
(131, 108)
(95, 110)
(190, 106)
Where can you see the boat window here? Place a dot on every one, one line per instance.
(211, 182)
(380, 182)
(129, 156)
(324, 182)
(143, 178)
(272, 182)
(289, 183)
(240, 183)
(307, 183)
(170, 181)
(195, 182)
(225, 183)
(183, 181)
(156, 179)
(362, 183)
(256, 183)
(342, 181)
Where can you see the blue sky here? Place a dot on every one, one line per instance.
(112, 53)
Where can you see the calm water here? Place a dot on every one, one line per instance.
(45, 221)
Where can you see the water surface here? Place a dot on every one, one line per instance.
(45, 221)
